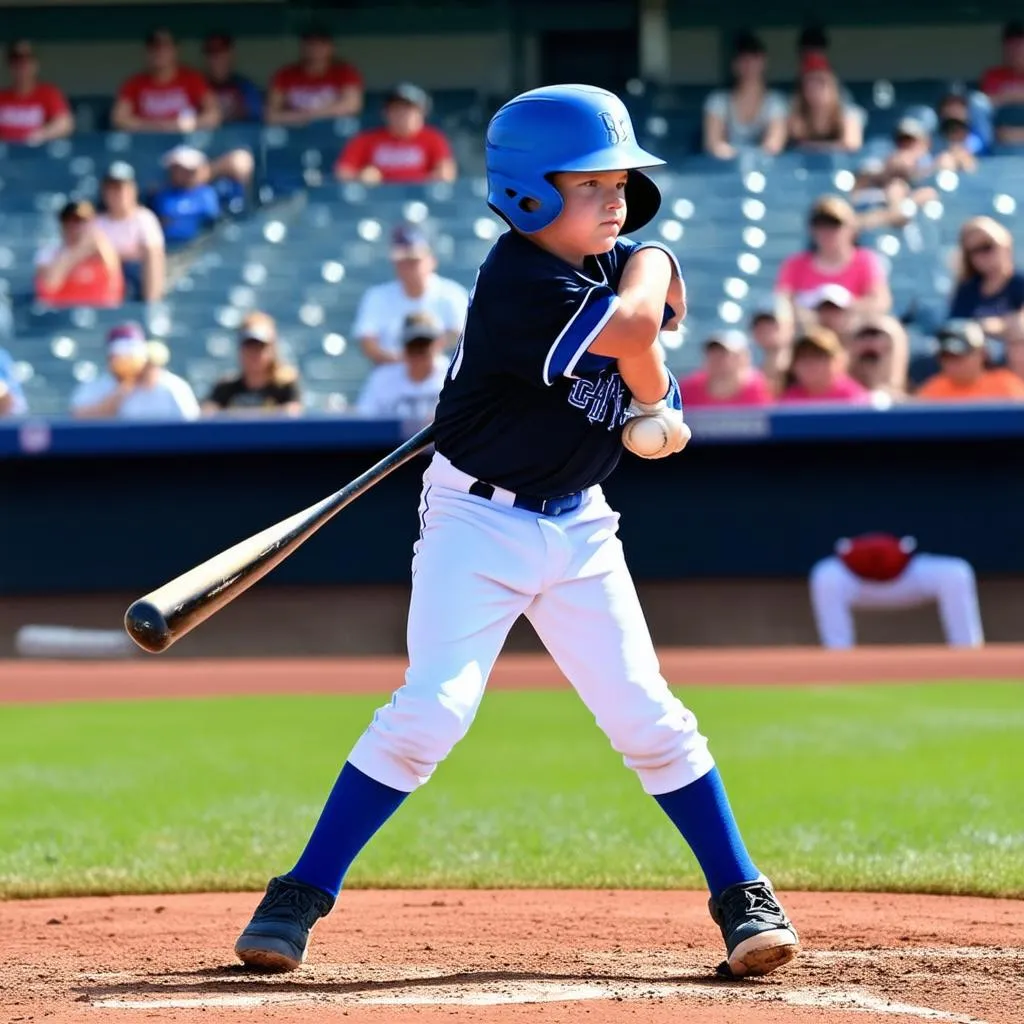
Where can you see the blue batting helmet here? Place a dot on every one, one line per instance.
(563, 128)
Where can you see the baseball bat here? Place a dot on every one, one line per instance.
(166, 614)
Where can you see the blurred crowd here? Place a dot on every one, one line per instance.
(829, 336)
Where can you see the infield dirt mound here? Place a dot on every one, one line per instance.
(510, 957)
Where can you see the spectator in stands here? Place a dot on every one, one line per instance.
(818, 371)
(830, 305)
(187, 204)
(166, 97)
(819, 119)
(966, 373)
(774, 340)
(264, 384)
(31, 112)
(12, 398)
(135, 234)
(238, 97)
(409, 389)
(959, 144)
(879, 354)
(727, 377)
(318, 87)
(82, 268)
(1004, 87)
(748, 115)
(834, 258)
(417, 288)
(989, 289)
(406, 149)
(889, 192)
(135, 386)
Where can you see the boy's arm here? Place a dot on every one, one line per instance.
(645, 374)
(640, 311)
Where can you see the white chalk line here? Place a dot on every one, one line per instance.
(512, 993)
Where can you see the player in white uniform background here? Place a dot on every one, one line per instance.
(880, 570)
(559, 351)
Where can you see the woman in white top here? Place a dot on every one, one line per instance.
(135, 234)
(748, 115)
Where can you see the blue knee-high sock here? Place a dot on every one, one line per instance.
(355, 810)
(705, 820)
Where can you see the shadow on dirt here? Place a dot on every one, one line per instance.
(238, 980)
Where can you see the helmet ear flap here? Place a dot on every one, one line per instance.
(525, 208)
(643, 200)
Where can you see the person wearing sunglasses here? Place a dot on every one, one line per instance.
(990, 289)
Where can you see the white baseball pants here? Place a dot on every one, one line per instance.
(480, 564)
(836, 592)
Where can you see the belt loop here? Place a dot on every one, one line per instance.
(481, 490)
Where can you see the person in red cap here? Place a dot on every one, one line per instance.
(881, 570)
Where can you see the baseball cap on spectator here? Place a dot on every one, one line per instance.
(910, 128)
(127, 339)
(159, 37)
(819, 339)
(420, 329)
(747, 42)
(20, 49)
(77, 209)
(409, 243)
(406, 92)
(316, 32)
(218, 42)
(873, 323)
(830, 294)
(1013, 30)
(184, 156)
(832, 210)
(120, 170)
(259, 327)
(814, 62)
(958, 337)
(731, 341)
(767, 313)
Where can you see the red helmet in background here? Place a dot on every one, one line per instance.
(876, 556)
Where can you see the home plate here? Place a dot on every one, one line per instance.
(512, 992)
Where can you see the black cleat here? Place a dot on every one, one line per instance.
(758, 935)
(278, 934)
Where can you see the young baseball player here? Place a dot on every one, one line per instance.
(559, 351)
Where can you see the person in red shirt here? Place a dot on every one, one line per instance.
(318, 87)
(31, 112)
(166, 97)
(82, 269)
(405, 150)
(1004, 86)
(727, 377)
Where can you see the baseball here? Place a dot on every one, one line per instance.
(645, 436)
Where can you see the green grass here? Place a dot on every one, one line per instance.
(896, 788)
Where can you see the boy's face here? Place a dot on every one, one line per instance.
(593, 212)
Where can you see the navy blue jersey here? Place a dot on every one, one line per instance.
(524, 405)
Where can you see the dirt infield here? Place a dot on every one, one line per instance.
(506, 958)
(496, 957)
(149, 677)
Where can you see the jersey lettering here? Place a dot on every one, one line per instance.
(600, 397)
